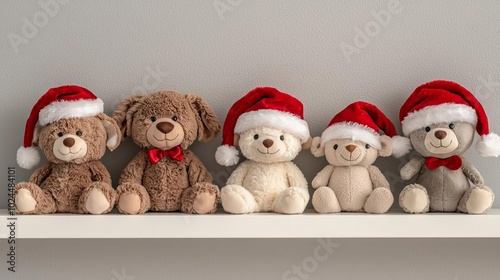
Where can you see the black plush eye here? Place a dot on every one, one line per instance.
(427, 129)
(335, 146)
(79, 133)
(60, 134)
(367, 146)
(153, 119)
(282, 137)
(256, 136)
(451, 126)
(174, 118)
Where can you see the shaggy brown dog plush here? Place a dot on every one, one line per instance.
(166, 176)
(68, 125)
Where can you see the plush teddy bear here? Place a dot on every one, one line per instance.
(69, 125)
(269, 127)
(165, 175)
(440, 117)
(351, 144)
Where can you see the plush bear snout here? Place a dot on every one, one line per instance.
(164, 133)
(441, 141)
(69, 147)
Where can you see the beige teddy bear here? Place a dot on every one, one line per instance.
(69, 125)
(269, 128)
(351, 144)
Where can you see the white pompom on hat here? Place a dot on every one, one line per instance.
(59, 103)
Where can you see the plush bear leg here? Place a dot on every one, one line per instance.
(477, 200)
(379, 201)
(291, 201)
(97, 198)
(202, 198)
(238, 200)
(414, 199)
(31, 199)
(132, 199)
(325, 201)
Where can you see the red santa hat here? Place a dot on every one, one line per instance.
(58, 103)
(446, 101)
(263, 106)
(362, 121)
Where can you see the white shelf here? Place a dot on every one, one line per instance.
(264, 225)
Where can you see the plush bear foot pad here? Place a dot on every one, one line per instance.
(130, 203)
(292, 204)
(414, 199)
(232, 202)
(97, 202)
(379, 201)
(204, 203)
(325, 201)
(479, 201)
(25, 201)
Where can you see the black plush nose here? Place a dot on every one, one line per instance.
(165, 127)
(440, 134)
(69, 142)
(267, 143)
(350, 148)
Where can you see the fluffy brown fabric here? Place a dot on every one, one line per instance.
(66, 184)
(168, 185)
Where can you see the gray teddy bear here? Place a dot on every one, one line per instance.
(440, 118)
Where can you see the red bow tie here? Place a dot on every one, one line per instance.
(452, 163)
(155, 155)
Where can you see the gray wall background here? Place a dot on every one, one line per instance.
(220, 50)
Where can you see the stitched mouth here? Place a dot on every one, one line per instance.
(69, 152)
(165, 139)
(350, 159)
(267, 153)
(441, 144)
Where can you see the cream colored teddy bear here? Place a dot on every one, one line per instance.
(269, 128)
(351, 144)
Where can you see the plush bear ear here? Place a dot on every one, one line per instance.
(236, 140)
(112, 131)
(125, 111)
(307, 145)
(316, 149)
(386, 149)
(206, 119)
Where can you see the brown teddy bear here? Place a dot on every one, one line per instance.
(440, 117)
(166, 176)
(69, 125)
(351, 144)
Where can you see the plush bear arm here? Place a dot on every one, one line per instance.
(295, 176)
(378, 179)
(99, 172)
(472, 173)
(239, 174)
(135, 169)
(197, 172)
(41, 174)
(323, 177)
(412, 167)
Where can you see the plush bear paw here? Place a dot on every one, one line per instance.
(325, 201)
(133, 199)
(25, 202)
(204, 203)
(379, 201)
(97, 202)
(292, 204)
(477, 200)
(237, 200)
(202, 198)
(414, 199)
(129, 203)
